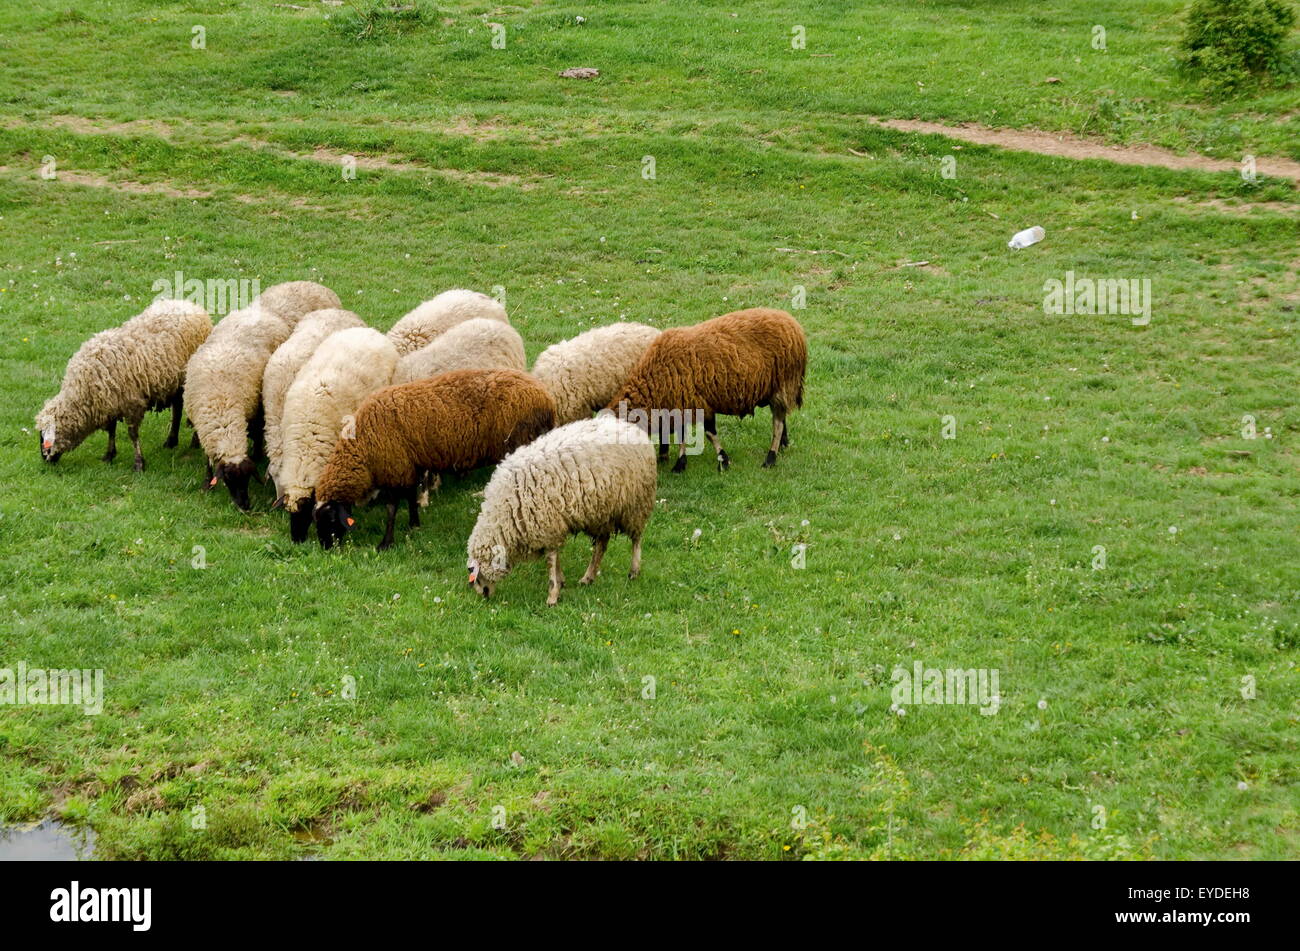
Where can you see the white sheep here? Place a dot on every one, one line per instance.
(121, 374)
(293, 300)
(595, 476)
(223, 393)
(346, 368)
(585, 372)
(419, 327)
(478, 344)
(290, 357)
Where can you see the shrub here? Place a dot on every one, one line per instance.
(1227, 44)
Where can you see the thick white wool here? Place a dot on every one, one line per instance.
(122, 372)
(478, 344)
(293, 300)
(344, 370)
(290, 357)
(585, 372)
(418, 328)
(595, 475)
(223, 382)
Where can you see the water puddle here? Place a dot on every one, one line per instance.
(46, 841)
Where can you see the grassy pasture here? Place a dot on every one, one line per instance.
(1121, 686)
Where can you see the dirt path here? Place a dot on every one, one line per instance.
(1065, 145)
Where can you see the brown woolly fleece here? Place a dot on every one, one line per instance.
(728, 365)
(450, 423)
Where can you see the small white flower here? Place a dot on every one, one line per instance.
(1173, 529)
(397, 597)
(804, 523)
(1042, 704)
(1105, 439)
(898, 538)
(1242, 786)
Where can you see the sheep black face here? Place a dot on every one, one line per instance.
(300, 521)
(236, 478)
(333, 521)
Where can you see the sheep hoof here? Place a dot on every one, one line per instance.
(632, 575)
(586, 579)
(770, 461)
(109, 456)
(724, 461)
(170, 442)
(384, 546)
(139, 465)
(553, 599)
(680, 464)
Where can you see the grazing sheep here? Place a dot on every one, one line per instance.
(451, 423)
(478, 344)
(344, 370)
(283, 367)
(295, 299)
(595, 476)
(223, 393)
(122, 373)
(585, 372)
(730, 365)
(418, 328)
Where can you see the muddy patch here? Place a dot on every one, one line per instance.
(1065, 145)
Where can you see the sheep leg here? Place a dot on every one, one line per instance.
(174, 436)
(680, 464)
(387, 541)
(111, 453)
(133, 430)
(194, 438)
(597, 553)
(636, 557)
(413, 507)
(557, 576)
(785, 433)
(778, 438)
(711, 430)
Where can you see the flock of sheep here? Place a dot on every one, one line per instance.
(345, 414)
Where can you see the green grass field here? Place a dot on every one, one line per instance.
(1121, 685)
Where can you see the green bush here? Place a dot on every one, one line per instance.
(1229, 44)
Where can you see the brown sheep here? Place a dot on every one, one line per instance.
(454, 422)
(729, 365)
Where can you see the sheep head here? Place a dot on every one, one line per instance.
(333, 521)
(236, 476)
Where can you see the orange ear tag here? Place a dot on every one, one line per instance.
(47, 444)
(351, 522)
(213, 482)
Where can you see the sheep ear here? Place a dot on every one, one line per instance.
(278, 503)
(211, 484)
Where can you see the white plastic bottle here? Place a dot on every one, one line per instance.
(1023, 239)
